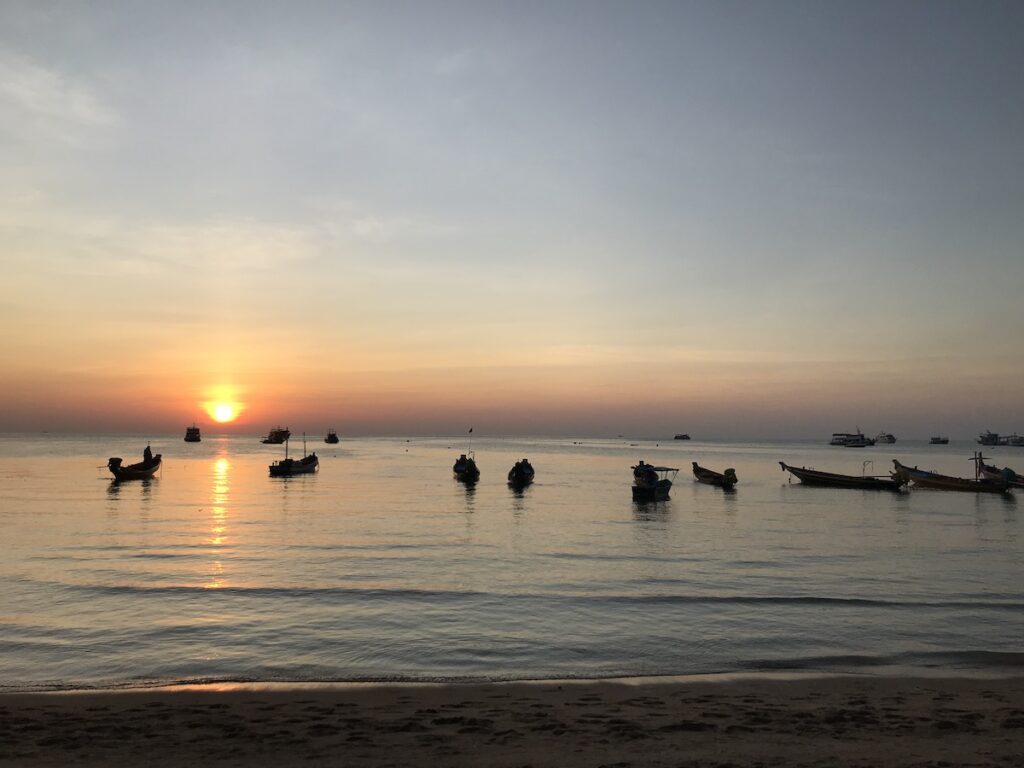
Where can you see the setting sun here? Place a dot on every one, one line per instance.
(224, 412)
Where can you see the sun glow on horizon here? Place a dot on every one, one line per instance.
(221, 411)
(222, 404)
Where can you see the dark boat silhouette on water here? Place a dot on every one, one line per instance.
(332, 437)
(276, 436)
(992, 472)
(833, 480)
(465, 469)
(652, 483)
(924, 479)
(287, 467)
(143, 470)
(521, 473)
(192, 434)
(724, 480)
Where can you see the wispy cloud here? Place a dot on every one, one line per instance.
(35, 99)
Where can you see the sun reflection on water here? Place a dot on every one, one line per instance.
(218, 519)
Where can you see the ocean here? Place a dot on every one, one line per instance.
(383, 567)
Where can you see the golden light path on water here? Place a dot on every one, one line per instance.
(218, 520)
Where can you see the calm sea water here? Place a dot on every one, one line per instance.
(381, 566)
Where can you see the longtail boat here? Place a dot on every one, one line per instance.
(724, 480)
(143, 470)
(833, 480)
(990, 472)
(923, 479)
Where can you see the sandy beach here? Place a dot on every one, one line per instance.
(837, 721)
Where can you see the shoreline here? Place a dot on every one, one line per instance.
(227, 685)
(748, 720)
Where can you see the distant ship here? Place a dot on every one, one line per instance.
(853, 439)
(939, 441)
(681, 436)
(277, 436)
(886, 438)
(332, 437)
(988, 438)
(192, 434)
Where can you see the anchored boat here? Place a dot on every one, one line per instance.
(940, 482)
(833, 480)
(277, 435)
(724, 480)
(465, 469)
(192, 434)
(651, 483)
(287, 467)
(521, 473)
(991, 472)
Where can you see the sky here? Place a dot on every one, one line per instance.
(733, 219)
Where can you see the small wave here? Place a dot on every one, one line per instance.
(357, 593)
(969, 659)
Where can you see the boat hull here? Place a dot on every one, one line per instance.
(724, 480)
(935, 481)
(657, 492)
(140, 471)
(291, 467)
(997, 475)
(833, 480)
(521, 474)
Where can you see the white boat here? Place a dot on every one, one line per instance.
(852, 439)
(885, 438)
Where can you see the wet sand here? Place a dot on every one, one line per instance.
(837, 721)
